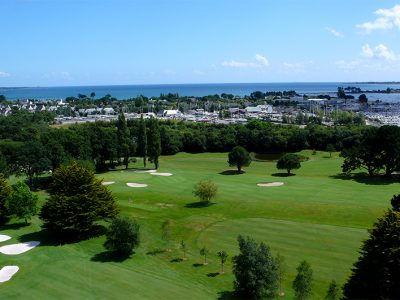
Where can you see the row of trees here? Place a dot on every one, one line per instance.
(375, 150)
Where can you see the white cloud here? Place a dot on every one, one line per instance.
(238, 64)
(262, 60)
(387, 19)
(296, 67)
(4, 74)
(381, 52)
(334, 32)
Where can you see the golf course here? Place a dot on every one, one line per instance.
(316, 215)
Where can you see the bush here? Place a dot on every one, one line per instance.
(205, 190)
(122, 236)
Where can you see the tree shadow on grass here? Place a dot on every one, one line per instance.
(367, 179)
(13, 226)
(49, 238)
(213, 274)
(108, 256)
(176, 260)
(197, 265)
(232, 172)
(199, 204)
(228, 295)
(283, 175)
(156, 252)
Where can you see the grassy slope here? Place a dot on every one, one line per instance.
(314, 216)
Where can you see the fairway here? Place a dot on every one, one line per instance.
(315, 215)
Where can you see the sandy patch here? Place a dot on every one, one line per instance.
(164, 205)
(7, 272)
(107, 182)
(4, 238)
(141, 171)
(162, 174)
(15, 249)
(270, 184)
(136, 185)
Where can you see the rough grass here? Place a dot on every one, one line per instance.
(316, 215)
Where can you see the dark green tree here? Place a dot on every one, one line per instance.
(333, 291)
(223, 256)
(122, 236)
(125, 144)
(142, 140)
(239, 157)
(255, 270)
(288, 162)
(302, 283)
(204, 252)
(330, 148)
(77, 200)
(22, 203)
(376, 274)
(154, 142)
(5, 192)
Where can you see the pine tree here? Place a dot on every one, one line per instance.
(302, 284)
(154, 142)
(124, 142)
(376, 274)
(142, 140)
(77, 200)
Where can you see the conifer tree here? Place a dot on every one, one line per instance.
(124, 143)
(154, 142)
(142, 140)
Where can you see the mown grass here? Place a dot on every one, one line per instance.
(316, 215)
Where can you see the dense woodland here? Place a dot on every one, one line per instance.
(29, 145)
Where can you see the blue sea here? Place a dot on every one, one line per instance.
(240, 89)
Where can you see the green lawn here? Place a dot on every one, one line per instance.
(316, 215)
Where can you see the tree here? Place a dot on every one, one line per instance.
(303, 281)
(142, 140)
(124, 142)
(239, 157)
(22, 203)
(363, 99)
(288, 162)
(123, 236)
(333, 291)
(223, 256)
(330, 148)
(376, 274)
(281, 271)
(5, 192)
(77, 200)
(204, 252)
(255, 270)
(92, 94)
(153, 142)
(205, 190)
(183, 248)
(166, 232)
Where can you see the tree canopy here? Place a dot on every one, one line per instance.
(205, 190)
(77, 200)
(122, 236)
(22, 203)
(376, 274)
(288, 162)
(255, 270)
(5, 192)
(239, 157)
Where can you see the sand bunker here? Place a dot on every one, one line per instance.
(7, 272)
(107, 182)
(4, 238)
(141, 171)
(270, 184)
(162, 174)
(136, 185)
(15, 249)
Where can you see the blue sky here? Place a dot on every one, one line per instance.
(94, 42)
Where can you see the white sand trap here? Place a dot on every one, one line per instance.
(7, 272)
(162, 174)
(4, 238)
(107, 182)
(136, 185)
(270, 184)
(15, 249)
(141, 171)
